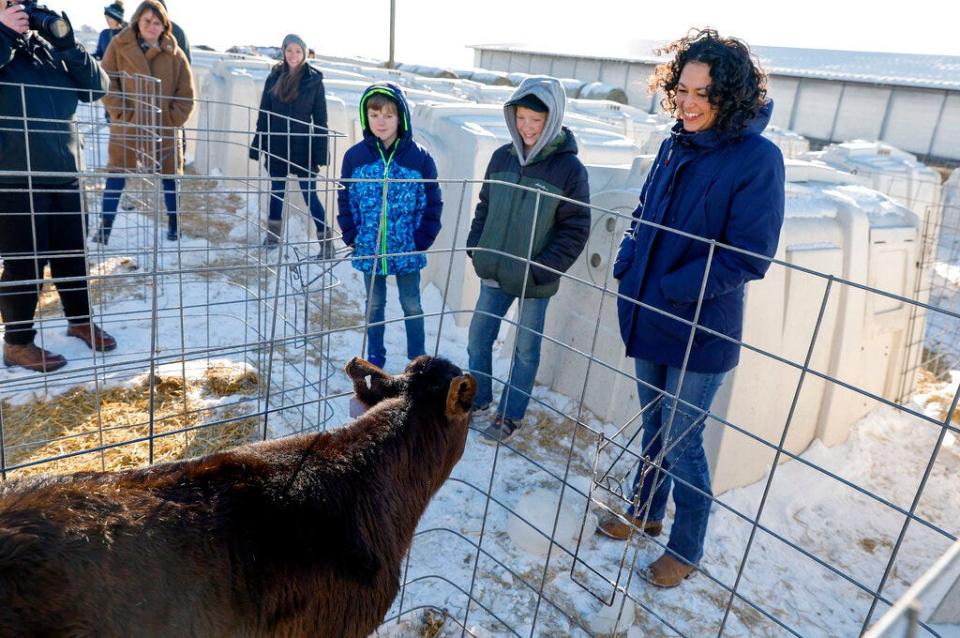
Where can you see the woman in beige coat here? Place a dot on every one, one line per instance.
(146, 115)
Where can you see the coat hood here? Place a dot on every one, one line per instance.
(712, 138)
(391, 90)
(549, 91)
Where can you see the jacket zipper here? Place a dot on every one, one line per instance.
(383, 206)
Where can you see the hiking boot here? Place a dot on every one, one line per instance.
(501, 429)
(274, 229)
(617, 528)
(102, 234)
(31, 357)
(92, 335)
(173, 231)
(667, 572)
(327, 250)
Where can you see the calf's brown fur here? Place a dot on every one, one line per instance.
(295, 537)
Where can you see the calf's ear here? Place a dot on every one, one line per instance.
(460, 396)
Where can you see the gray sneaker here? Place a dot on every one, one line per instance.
(500, 429)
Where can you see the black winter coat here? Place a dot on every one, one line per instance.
(59, 79)
(293, 135)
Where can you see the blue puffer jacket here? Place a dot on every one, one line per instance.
(729, 189)
(409, 219)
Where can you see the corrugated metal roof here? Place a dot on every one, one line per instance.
(907, 69)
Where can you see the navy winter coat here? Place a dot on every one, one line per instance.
(104, 41)
(409, 219)
(293, 135)
(55, 81)
(729, 189)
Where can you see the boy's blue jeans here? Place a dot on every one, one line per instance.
(685, 459)
(484, 326)
(308, 187)
(408, 286)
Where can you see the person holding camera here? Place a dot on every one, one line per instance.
(146, 48)
(43, 74)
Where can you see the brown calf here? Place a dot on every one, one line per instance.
(294, 537)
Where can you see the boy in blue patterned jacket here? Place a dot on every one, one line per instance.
(388, 223)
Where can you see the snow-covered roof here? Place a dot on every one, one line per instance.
(905, 69)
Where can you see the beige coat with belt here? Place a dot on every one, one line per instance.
(140, 136)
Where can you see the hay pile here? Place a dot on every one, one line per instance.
(73, 423)
(209, 213)
(934, 393)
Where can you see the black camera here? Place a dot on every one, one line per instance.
(45, 21)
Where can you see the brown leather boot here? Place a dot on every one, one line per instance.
(667, 572)
(619, 529)
(92, 335)
(31, 357)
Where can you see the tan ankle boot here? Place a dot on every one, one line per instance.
(31, 357)
(619, 529)
(667, 572)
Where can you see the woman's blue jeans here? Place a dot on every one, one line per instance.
(113, 188)
(484, 326)
(684, 464)
(308, 187)
(408, 286)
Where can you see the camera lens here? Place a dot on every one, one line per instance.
(58, 27)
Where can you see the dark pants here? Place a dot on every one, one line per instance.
(114, 186)
(52, 234)
(308, 186)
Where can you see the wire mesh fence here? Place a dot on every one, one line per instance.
(224, 340)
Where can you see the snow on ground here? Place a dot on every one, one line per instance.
(228, 314)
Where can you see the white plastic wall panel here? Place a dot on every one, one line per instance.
(613, 73)
(912, 119)
(780, 317)
(888, 170)
(563, 67)
(893, 258)
(783, 91)
(461, 141)
(816, 104)
(536, 64)
(586, 305)
(637, 88)
(861, 112)
(497, 60)
(947, 142)
(587, 70)
(792, 145)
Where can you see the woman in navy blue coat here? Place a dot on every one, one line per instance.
(715, 178)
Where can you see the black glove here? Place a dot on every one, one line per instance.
(64, 42)
(254, 153)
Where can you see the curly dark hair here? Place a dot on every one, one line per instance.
(738, 84)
